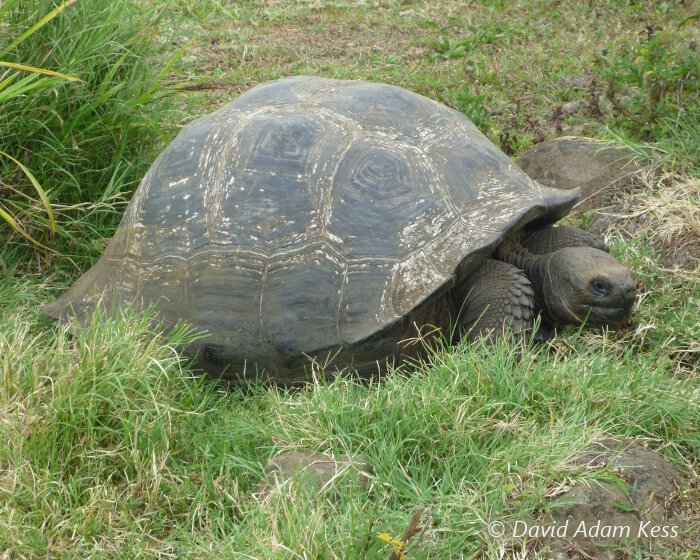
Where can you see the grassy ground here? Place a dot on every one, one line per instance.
(115, 449)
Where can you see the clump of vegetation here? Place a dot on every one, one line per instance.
(472, 105)
(477, 36)
(660, 80)
(77, 118)
(654, 87)
(119, 419)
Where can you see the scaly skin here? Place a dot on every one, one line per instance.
(575, 285)
(498, 295)
(561, 273)
(552, 238)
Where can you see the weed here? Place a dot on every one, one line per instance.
(658, 81)
(478, 36)
(472, 105)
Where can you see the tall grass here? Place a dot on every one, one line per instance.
(84, 141)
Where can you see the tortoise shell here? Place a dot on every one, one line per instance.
(312, 221)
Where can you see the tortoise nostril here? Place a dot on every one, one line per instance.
(630, 295)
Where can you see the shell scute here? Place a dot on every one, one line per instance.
(300, 304)
(373, 200)
(282, 145)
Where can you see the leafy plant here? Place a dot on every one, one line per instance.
(652, 82)
(472, 105)
(478, 36)
(448, 48)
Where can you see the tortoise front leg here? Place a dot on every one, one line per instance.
(497, 298)
(552, 238)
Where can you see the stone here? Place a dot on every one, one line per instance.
(299, 470)
(599, 169)
(571, 107)
(601, 515)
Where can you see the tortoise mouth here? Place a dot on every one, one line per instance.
(610, 315)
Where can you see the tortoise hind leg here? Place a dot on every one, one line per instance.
(552, 238)
(498, 297)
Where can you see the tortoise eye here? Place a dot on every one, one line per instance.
(600, 287)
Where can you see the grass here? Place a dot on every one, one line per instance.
(116, 449)
(85, 141)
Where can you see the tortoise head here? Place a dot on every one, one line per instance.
(585, 284)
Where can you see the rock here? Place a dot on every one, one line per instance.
(580, 81)
(292, 471)
(599, 169)
(611, 177)
(571, 107)
(624, 507)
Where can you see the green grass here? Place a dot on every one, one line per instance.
(518, 62)
(116, 449)
(88, 141)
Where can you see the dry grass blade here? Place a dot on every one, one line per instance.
(674, 209)
(412, 529)
(670, 214)
(19, 229)
(35, 70)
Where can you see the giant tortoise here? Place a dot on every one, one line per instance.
(318, 222)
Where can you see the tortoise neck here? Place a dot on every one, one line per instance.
(535, 266)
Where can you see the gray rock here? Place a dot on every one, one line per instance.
(299, 470)
(630, 505)
(571, 107)
(599, 169)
